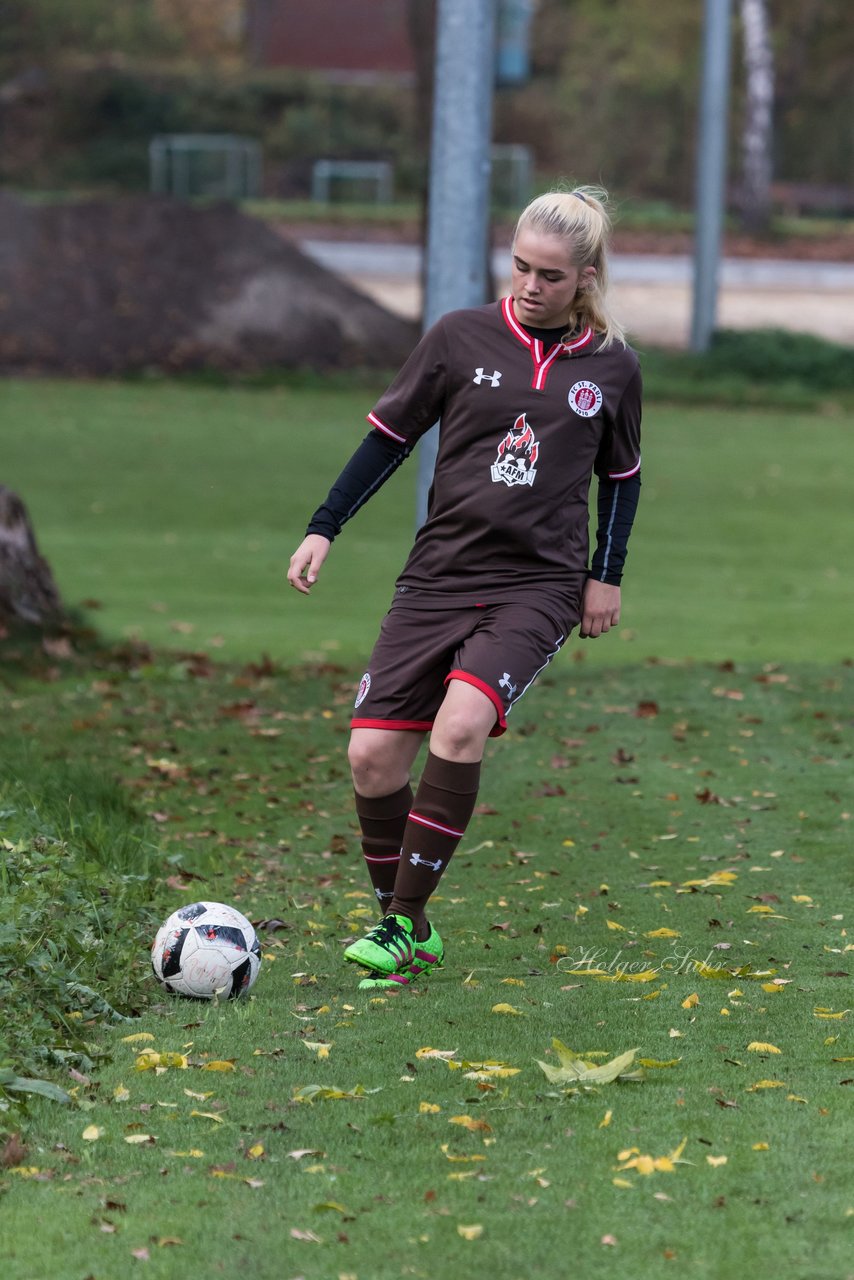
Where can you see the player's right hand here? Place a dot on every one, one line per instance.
(306, 562)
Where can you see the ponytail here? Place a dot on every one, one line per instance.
(581, 217)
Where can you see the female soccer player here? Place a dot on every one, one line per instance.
(534, 394)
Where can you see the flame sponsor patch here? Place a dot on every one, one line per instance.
(517, 455)
(585, 399)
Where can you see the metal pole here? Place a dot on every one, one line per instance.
(711, 169)
(458, 207)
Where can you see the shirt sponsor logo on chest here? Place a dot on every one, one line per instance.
(517, 455)
(585, 399)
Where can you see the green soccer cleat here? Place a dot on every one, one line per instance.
(389, 946)
(429, 955)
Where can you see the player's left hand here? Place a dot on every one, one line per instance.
(600, 608)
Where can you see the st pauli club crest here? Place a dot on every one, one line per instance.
(585, 399)
(517, 455)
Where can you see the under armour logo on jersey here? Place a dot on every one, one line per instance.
(504, 683)
(418, 861)
(492, 378)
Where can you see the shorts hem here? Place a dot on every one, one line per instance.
(500, 726)
(416, 726)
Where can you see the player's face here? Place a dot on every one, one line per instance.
(544, 281)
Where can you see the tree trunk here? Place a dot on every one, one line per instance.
(28, 592)
(757, 133)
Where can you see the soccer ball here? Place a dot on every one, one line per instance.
(204, 950)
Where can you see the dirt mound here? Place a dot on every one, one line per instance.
(113, 286)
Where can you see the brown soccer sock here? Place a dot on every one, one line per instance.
(383, 820)
(443, 805)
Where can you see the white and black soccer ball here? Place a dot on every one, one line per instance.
(206, 949)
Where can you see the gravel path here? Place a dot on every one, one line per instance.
(652, 291)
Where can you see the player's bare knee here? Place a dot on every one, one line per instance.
(456, 737)
(373, 774)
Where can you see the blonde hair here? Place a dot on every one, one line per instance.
(580, 217)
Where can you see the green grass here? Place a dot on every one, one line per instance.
(176, 508)
(709, 735)
(630, 789)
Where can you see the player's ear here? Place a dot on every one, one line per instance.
(586, 279)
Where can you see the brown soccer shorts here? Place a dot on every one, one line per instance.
(500, 649)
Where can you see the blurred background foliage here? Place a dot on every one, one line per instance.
(612, 96)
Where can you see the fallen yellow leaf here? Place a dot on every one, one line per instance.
(691, 1002)
(319, 1047)
(507, 1008)
(150, 1059)
(473, 1232)
(223, 1065)
(645, 1165)
(663, 933)
(137, 1037)
(715, 1161)
(207, 1115)
(646, 975)
(757, 1046)
(469, 1122)
(92, 1133)
(490, 1073)
(428, 1108)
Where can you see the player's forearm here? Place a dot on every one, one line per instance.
(368, 469)
(616, 504)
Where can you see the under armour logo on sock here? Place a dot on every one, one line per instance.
(505, 684)
(418, 861)
(383, 896)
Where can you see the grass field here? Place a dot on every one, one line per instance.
(654, 819)
(660, 863)
(176, 508)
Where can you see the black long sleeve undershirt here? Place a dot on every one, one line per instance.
(378, 457)
(616, 504)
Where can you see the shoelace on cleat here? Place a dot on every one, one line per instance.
(389, 933)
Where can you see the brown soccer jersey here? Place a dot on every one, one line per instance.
(522, 430)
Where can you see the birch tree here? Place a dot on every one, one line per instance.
(757, 132)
